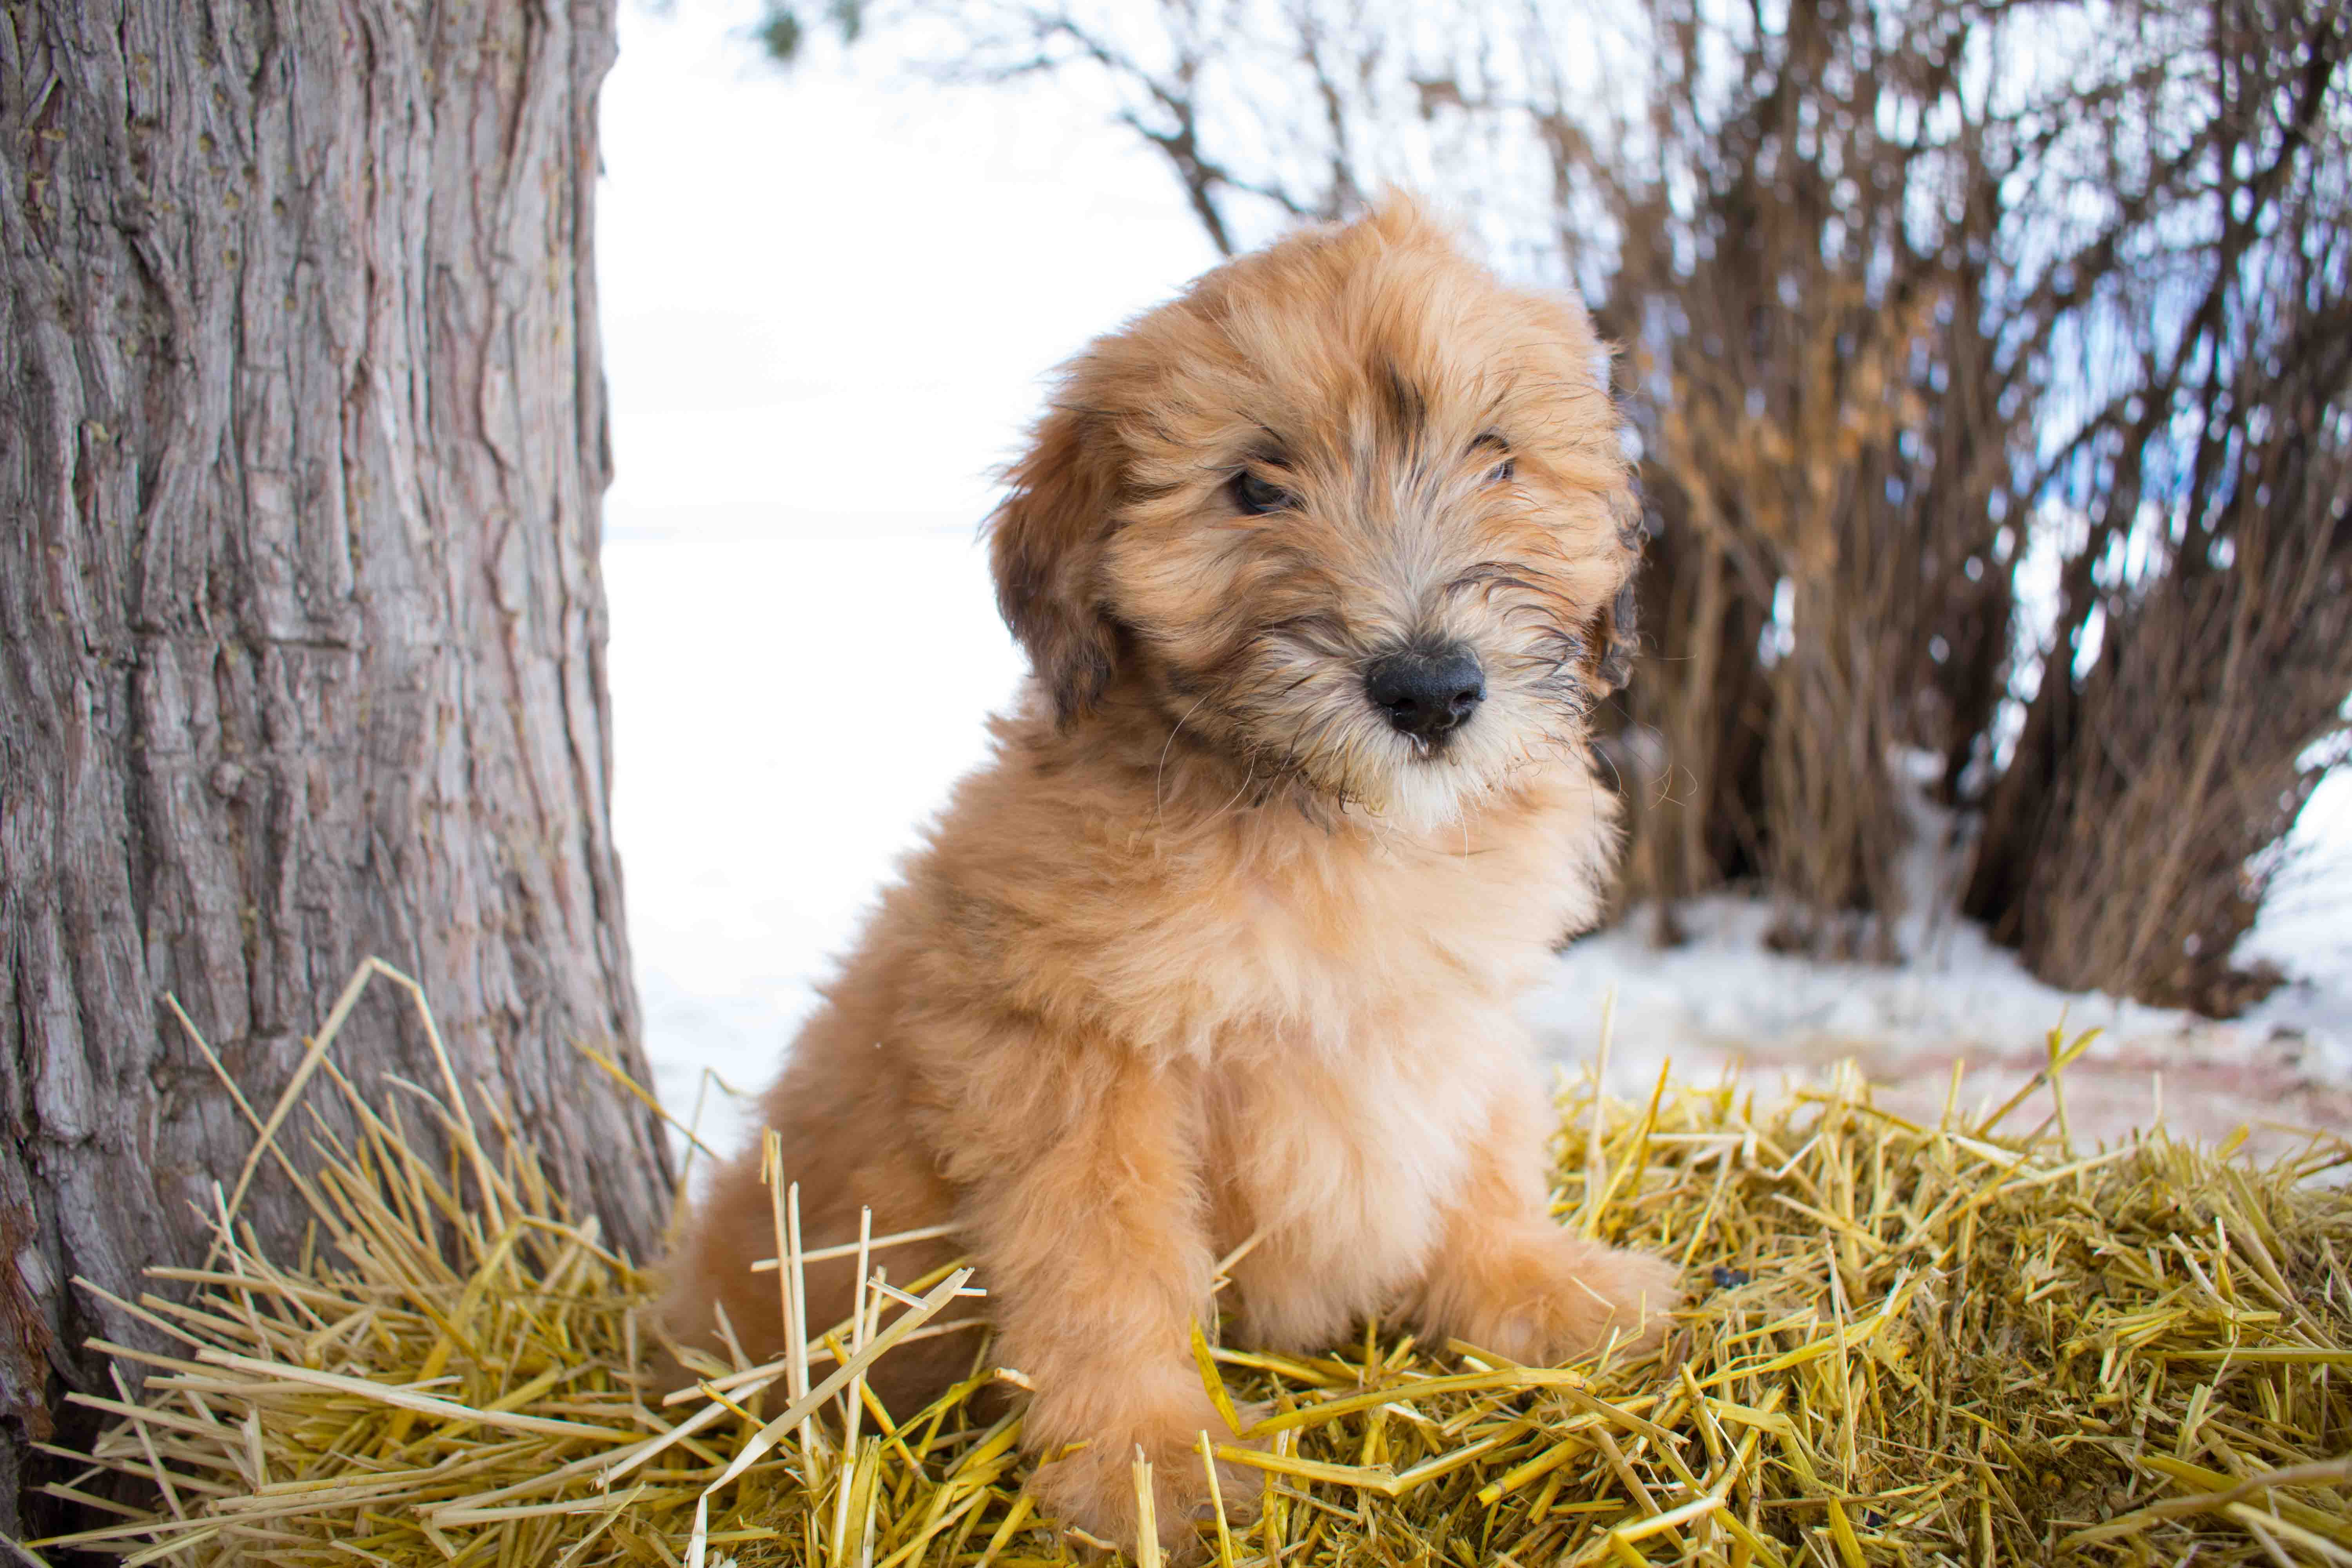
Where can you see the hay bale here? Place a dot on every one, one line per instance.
(1916, 1343)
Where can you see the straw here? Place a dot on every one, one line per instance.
(1908, 1343)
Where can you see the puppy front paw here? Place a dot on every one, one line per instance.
(1094, 1488)
(1548, 1297)
(1640, 1289)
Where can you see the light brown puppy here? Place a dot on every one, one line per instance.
(1322, 568)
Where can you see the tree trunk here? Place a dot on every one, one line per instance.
(301, 625)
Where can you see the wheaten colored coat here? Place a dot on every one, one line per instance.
(1210, 949)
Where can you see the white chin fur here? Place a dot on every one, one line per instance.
(1427, 794)
(1423, 799)
(1423, 794)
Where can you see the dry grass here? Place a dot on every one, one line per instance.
(1917, 1344)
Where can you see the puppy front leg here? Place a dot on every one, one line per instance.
(1506, 1277)
(1091, 1240)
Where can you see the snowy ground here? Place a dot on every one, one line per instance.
(809, 383)
(1724, 1002)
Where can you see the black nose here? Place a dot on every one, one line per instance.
(1426, 693)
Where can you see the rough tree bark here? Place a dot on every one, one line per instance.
(301, 626)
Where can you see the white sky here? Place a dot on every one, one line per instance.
(829, 296)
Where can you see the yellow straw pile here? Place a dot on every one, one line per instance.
(1908, 1344)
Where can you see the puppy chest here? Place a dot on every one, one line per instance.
(1343, 967)
(1342, 1160)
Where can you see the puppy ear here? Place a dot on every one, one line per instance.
(1616, 637)
(1618, 641)
(1045, 545)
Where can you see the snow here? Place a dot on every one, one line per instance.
(810, 387)
(787, 712)
(1724, 1001)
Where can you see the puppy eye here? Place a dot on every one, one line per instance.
(1501, 473)
(1257, 496)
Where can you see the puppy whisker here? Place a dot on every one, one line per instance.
(1159, 774)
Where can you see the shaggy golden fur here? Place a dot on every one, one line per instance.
(1211, 950)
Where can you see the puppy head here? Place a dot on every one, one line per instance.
(1349, 510)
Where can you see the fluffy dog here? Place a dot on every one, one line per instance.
(1321, 568)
